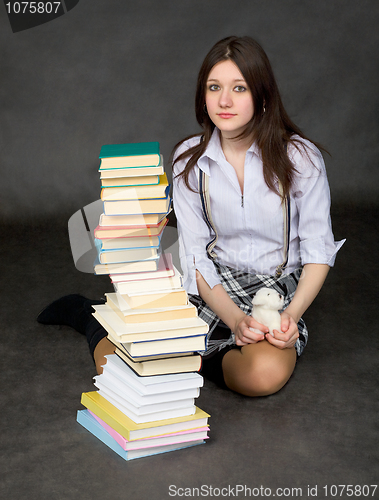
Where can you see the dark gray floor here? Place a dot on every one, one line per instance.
(321, 429)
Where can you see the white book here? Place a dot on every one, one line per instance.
(132, 393)
(156, 384)
(141, 409)
(151, 417)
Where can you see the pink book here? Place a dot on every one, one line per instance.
(175, 438)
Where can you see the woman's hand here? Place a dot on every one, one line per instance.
(288, 335)
(248, 331)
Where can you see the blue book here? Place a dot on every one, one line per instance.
(85, 419)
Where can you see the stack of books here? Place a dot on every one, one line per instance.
(136, 200)
(145, 398)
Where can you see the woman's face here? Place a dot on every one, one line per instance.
(228, 99)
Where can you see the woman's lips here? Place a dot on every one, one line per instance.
(226, 115)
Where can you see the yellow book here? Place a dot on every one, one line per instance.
(132, 431)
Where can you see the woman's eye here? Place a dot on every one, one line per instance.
(240, 88)
(213, 87)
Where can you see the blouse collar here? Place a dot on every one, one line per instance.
(214, 152)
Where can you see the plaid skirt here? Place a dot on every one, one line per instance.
(241, 287)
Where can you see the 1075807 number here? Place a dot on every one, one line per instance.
(350, 490)
(33, 7)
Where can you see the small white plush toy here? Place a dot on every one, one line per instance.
(266, 304)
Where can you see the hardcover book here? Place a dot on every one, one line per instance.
(136, 231)
(123, 255)
(156, 299)
(152, 284)
(165, 269)
(129, 243)
(126, 267)
(129, 155)
(133, 207)
(132, 221)
(137, 192)
(115, 173)
(194, 343)
(130, 181)
(148, 330)
(161, 366)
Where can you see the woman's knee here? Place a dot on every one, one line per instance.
(260, 372)
(260, 382)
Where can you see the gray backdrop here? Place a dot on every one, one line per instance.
(109, 72)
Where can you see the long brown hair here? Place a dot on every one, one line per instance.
(270, 127)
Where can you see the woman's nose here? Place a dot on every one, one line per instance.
(225, 99)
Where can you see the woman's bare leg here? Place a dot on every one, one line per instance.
(103, 348)
(258, 369)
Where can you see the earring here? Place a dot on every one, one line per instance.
(264, 109)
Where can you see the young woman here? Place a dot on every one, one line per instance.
(252, 203)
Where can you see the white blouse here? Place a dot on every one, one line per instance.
(250, 225)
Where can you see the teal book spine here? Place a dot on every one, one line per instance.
(129, 149)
